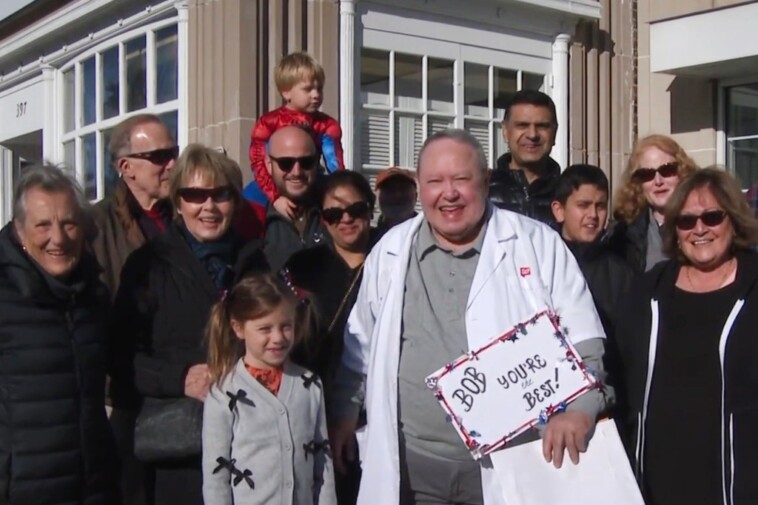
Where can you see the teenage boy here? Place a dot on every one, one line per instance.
(580, 208)
(300, 80)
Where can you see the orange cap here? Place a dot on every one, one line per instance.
(392, 172)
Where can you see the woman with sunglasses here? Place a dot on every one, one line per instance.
(332, 274)
(167, 289)
(689, 353)
(655, 167)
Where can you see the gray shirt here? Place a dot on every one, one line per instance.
(654, 243)
(433, 333)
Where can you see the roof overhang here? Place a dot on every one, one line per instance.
(717, 44)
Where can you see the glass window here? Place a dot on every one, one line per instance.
(89, 165)
(742, 137)
(440, 84)
(171, 121)
(476, 91)
(69, 100)
(110, 90)
(375, 77)
(69, 159)
(166, 64)
(408, 81)
(136, 78)
(88, 91)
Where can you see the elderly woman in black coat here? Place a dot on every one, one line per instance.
(55, 442)
(167, 289)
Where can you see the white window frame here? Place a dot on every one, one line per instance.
(100, 124)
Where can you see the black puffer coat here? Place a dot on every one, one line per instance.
(56, 446)
(510, 190)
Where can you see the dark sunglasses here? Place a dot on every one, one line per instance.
(648, 174)
(287, 163)
(709, 218)
(157, 156)
(356, 210)
(200, 195)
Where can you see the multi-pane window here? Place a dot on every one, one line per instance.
(137, 73)
(406, 97)
(742, 134)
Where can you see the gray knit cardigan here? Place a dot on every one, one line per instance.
(262, 449)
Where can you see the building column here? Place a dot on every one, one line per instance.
(51, 148)
(560, 96)
(347, 80)
(182, 31)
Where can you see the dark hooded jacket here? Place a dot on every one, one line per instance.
(648, 307)
(510, 190)
(55, 443)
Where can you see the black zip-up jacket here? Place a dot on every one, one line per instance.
(510, 190)
(738, 351)
(56, 447)
(282, 238)
(608, 277)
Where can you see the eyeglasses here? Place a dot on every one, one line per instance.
(709, 218)
(157, 156)
(356, 210)
(648, 174)
(287, 163)
(220, 194)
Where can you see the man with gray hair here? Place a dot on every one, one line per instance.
(143, 154)
(434, 288)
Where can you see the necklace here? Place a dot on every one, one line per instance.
(721, 283)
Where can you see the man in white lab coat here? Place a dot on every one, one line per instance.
(435, 287)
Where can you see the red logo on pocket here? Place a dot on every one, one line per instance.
(526, 271)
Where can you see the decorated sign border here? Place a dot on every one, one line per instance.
(520, 330)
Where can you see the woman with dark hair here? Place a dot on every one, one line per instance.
(689, 354)
(56, 447)
(655, 167)
(331, 273)
(167, 290)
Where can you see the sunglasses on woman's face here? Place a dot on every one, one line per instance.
(287, 163)
(648, 174)
(157, 156)
(220, 194)
(356, 210)
(709, 218)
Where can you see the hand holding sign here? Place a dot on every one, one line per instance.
(517, 380)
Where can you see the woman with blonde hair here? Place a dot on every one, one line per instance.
(167, 290)
(654, 170)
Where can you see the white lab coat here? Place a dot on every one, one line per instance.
(523, 268)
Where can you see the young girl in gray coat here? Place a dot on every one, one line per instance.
(264, 428)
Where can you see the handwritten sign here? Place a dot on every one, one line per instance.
(517, 380)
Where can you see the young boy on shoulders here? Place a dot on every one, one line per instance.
(300, 80)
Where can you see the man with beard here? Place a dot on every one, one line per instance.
(292, 160)
(525, 177)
